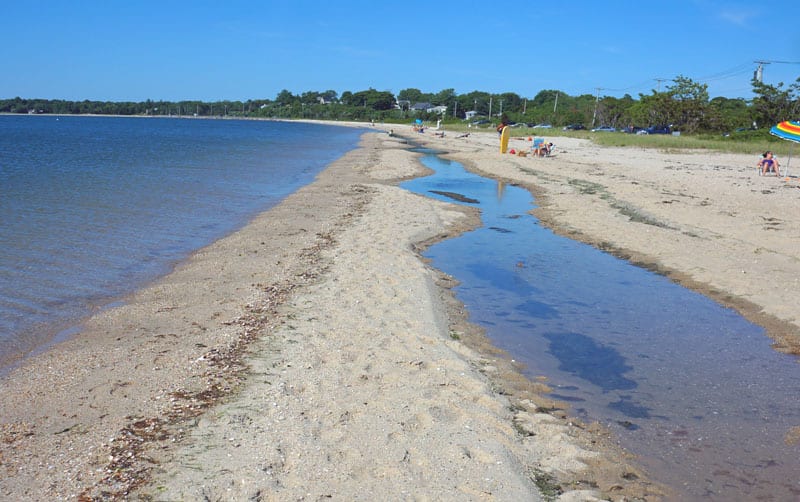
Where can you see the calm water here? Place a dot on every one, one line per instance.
(690, 387)
(91, 208)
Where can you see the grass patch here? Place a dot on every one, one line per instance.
(751, 143)
(546, 484)
(588, 187)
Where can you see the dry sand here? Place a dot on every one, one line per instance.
(314, 355)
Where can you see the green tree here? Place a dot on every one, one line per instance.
(727, 114)
(310, 98)
(683, 105)
(329, 96)
(285, 97)
(372, 99)
(444, 97)
(476, 101)
(689, 103)
(773, 104)
(412, 95)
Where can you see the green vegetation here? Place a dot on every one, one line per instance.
(546, 483)
(747, 142)
(719, 123)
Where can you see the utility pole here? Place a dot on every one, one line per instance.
(658, 83)
(759, 73)
(490, 107)
(596, 101)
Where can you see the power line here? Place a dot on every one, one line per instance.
(759, 73)
(729, 73)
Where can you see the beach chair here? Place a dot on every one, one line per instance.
(776, 167)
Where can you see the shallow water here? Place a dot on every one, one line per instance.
(93, 207)
(690, 387)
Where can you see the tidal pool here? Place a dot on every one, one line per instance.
(690, 387)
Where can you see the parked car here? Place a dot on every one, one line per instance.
(574, 127)
(741, 130)
(633, 130)
(480, 122)
(656, 130)
(543, 126)
(604, 129)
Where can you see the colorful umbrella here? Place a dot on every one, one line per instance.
(789, 130)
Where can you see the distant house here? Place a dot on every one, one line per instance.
(470, 114)
(429, 108)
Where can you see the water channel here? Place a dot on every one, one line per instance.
(691, 388)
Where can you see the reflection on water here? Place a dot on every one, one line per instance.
(691, 387)
(594, 362)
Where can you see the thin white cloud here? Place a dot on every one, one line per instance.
(612, 49)
(739, 17)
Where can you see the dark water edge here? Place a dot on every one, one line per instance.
(689, 386)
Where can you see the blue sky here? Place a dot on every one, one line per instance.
(208, 50)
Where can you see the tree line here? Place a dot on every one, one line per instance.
(684, 104)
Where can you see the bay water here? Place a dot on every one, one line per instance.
(92, 208)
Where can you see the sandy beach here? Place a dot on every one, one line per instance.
(313, 354)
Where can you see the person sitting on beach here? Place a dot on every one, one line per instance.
(541, 149)
(768, 163)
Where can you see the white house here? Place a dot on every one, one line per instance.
(427, 107)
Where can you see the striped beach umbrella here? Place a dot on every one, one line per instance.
(789, 130)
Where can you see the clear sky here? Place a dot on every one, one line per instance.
(232, 49)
